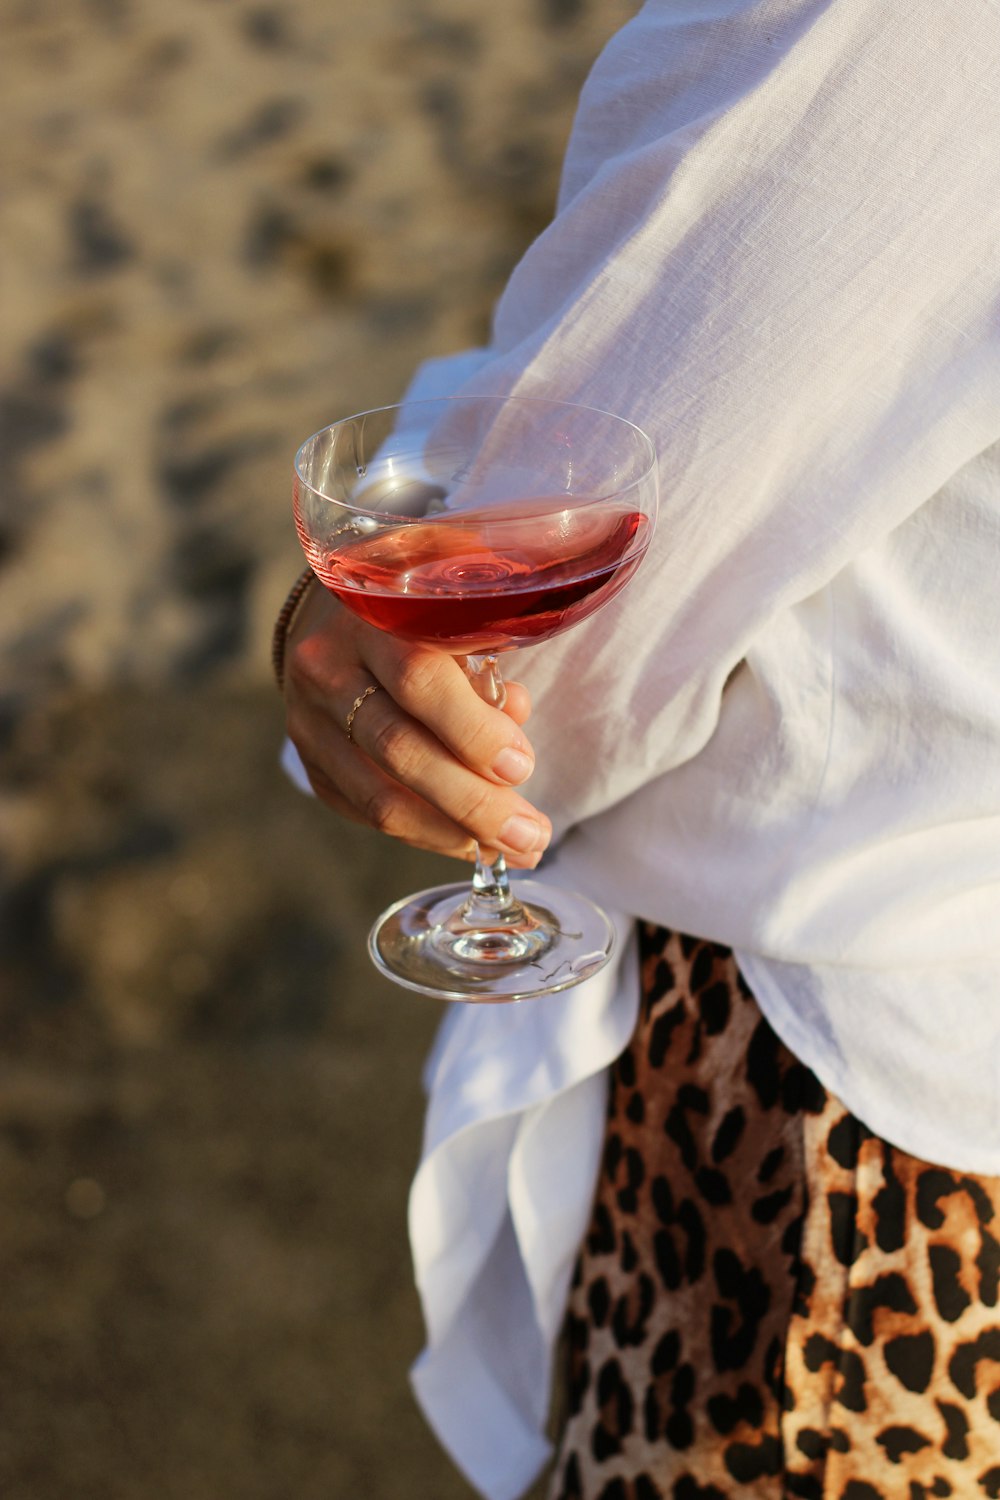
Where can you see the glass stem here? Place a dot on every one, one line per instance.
(485, 675)
(490, 896)
(491, 927)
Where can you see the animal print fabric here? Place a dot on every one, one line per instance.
(770, 1301)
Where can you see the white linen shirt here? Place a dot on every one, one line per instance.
(777, 250)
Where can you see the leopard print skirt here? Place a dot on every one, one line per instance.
(770, 1302)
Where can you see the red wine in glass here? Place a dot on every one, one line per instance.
(490, 584)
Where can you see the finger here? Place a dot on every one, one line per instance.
(494, 815)
(400, 812)
(518, 705)
(349, 782)
(431, 687)
(326, 677)
(328, 646)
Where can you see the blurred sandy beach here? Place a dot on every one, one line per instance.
(223, 224)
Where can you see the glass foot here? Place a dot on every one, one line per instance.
(548, 940)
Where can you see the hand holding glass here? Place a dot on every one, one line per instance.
(475, 525)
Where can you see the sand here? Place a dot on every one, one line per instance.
(224, 224)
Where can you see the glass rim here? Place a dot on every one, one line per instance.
(427, 401)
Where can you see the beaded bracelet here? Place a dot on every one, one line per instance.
(283, 623)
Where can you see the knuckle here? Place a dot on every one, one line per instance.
(478, 811)
(396, 746)
(325, 788)
(383, 811)
(418, 676)
(303, 670)
(481, 741)
(319, 781)
(331, 798)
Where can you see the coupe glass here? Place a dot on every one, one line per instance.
(476, 525)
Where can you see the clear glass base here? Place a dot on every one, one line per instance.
(442, 944)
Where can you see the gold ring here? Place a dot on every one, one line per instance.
(349, 723)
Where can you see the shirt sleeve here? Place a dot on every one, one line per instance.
(775, 250)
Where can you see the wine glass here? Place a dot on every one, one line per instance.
(478, 524)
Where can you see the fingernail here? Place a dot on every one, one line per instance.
(523, 834)
(513, 765)
(524, 861)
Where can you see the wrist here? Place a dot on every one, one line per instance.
(287, 617)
